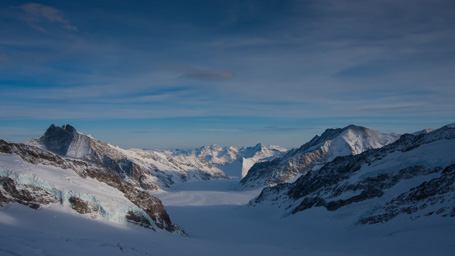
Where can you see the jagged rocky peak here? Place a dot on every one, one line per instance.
(259, 146)
(57, 139)
(64, 141)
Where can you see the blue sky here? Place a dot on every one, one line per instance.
(167, 74)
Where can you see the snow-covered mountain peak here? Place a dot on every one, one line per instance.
(350, 140)
(361, 139)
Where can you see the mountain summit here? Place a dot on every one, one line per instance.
(351, 140)
(65, 141)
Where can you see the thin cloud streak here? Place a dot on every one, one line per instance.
(37, 14)
(192, 73)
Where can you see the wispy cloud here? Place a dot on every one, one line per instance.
(37, 15)
(187, 72)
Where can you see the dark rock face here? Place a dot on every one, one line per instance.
(139, 220)
(81, 206)
(333, 187)
(153, 207)
(58, 139)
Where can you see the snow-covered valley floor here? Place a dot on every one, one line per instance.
(219, 222)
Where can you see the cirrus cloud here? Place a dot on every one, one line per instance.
(37, 14)
(192, 73)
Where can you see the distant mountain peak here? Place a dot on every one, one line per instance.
(259, 145)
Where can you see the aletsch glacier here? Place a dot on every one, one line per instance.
(363, 175)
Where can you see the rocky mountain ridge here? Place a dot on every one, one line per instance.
(414, 176)
(149, 169)
(350, 140)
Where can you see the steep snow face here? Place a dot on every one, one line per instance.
(332, 143)
(234, 161)
(149, 169)
(415, 176)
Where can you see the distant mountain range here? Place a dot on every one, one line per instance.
(232, 160)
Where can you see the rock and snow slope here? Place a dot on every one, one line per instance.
(413, 177)
(149, 169)
(219, 223)
(351, 140)
(37, 178)
(235, 162)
